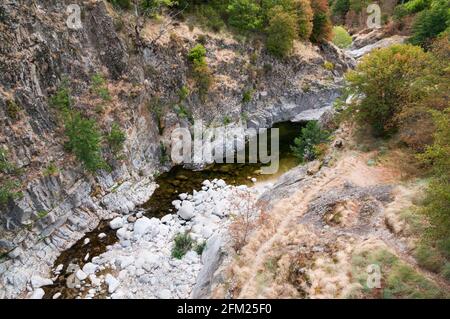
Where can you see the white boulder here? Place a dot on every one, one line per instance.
(112, 283)
(186, 211)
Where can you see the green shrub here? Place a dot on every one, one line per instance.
(328, 65)
(182, 244)
(9, 190)
(430, 23)
(199, 248)
(84, 140)
(226, 120)
(99, 87)
(183, 93)
(5, 166)
(281, 32)
(51, 170)
(341, 37)
(61, 99)
(12, 109)
(122, 4)
(201, 72)
(197, 54)
(311, 136)
(429, 258)
(414, 6)
(116, 138)
(247, 96)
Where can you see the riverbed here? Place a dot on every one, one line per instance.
(176, 181)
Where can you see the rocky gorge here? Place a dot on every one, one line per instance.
(38, 52)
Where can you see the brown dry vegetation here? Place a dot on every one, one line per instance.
(291, 256)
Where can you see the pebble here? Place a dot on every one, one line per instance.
(89, 269)
(86, 241)
(57, 295)
(80, 274)
(37, 294)
(101, 235)
(116, 223)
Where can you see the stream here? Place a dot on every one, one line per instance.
(172, 183)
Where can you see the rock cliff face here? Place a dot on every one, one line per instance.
(38, 52)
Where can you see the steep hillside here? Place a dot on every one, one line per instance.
(114, 77)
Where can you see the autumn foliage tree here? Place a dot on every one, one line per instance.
(322, 27)
(281, 32)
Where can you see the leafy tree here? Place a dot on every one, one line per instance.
(304, 14)
(383, 82)
(322, 28)
(430, 23)
(437, 204)
(301, 9)
(281, 32)
(244, 15)
(305, 146)
(84, 141)
(340, 9)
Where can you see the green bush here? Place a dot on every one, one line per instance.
(247, 96)
(429, 258)
(51, 170)
(430, 23)
(84, 140)
(328, 65)
(9, 190)
(199, 248)
(281, 32)
(61, 98)
(305, 146)
(12, 109)
(341, 37)
(197, 54)
(201, 71)
(340, 9)
(437, 204)
(183, 93)
(122, 4)
(182, 244)
(116, 138)
(414, 6)
(99, 87)
(5, 166)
